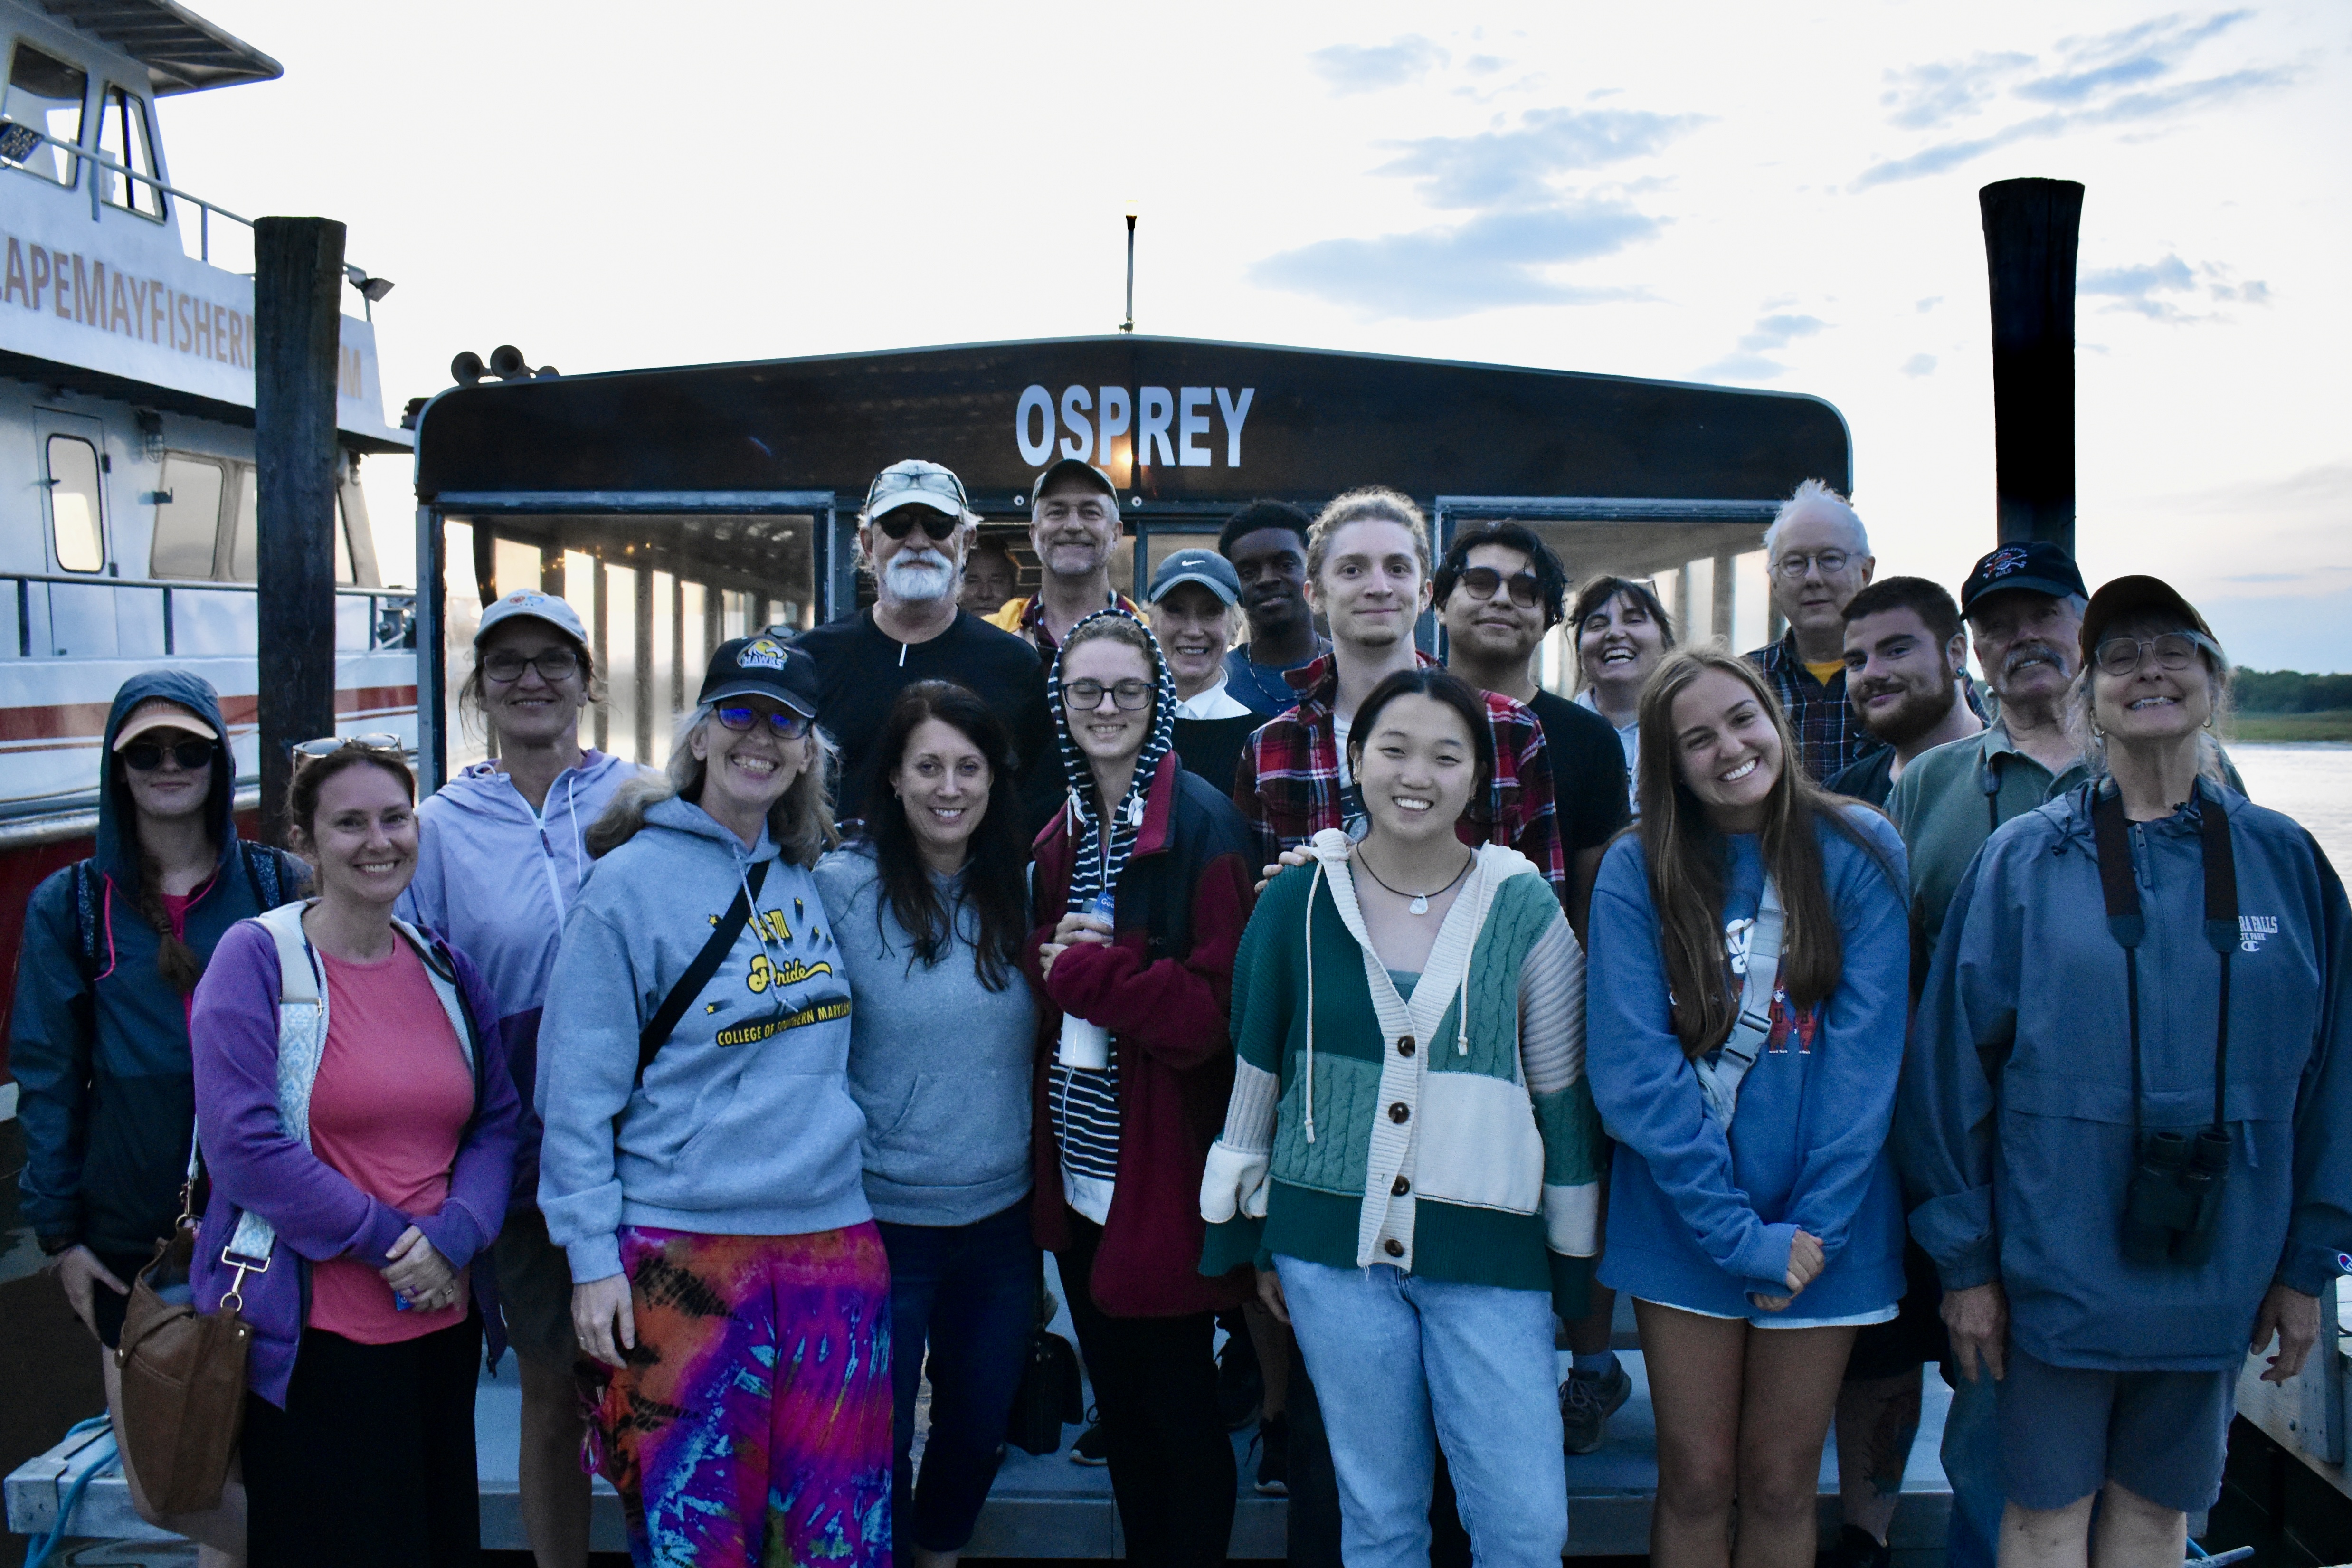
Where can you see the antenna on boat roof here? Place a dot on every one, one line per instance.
(1129, 324)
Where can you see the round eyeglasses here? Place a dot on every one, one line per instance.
(504, 665)
(1483, 582)
(1131, 696)
(2173, 651)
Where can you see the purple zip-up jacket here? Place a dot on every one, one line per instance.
(256, 1162)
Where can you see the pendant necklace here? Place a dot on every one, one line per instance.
(1419, 904)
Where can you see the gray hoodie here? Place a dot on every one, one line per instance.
(938, 1062)
(743, 1125)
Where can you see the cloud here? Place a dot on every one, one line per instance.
(2128, 55)
(1750, 362)
(1919, 364)
(1742, 367)
(1360, 68)
(2137, 289)
(1493, 260)
(2137, 283)
(1508, 168)
(1775, 332)
(1926, 97)
(1930, 303)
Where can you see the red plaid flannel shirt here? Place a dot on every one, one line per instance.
(1288, 784)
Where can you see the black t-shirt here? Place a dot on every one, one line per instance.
(1587, 772)
(1212, 747)
(861, 669)
(1871, 779)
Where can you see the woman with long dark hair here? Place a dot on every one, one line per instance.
(1748, 979)
(1623, 633)
(98, 1041)
(929, 908)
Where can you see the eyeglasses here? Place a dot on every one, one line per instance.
(328, 745)
(146, 756)
(896, 525)
(899, 479)
(1526, 588)
(2173, 650)
(554, 664)
(1792, 566)
(783, 725)
(1131, 696)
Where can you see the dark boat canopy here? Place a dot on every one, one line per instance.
(1215, 424)
(181, 51)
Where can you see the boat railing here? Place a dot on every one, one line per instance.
(65, 616)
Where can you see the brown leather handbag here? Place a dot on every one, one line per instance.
(183, 1380)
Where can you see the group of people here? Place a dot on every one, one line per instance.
(1395, 1015)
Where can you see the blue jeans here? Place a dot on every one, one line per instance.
(1402, 1363)
(970, 1293)
(1971, 1457)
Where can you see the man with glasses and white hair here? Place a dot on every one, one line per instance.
(1074, 528)
(913, 536)
(1820, 559)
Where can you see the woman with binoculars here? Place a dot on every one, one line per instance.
(2128, 1103)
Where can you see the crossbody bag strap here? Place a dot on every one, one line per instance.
(1720, 1080)
(698, 975)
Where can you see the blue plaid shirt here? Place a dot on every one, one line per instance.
(1829, 737)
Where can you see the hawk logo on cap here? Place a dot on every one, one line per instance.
(762, 653)
(2009, 558)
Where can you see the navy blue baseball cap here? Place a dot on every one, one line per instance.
(1206, 567)
(763, 666)
(2039, 567)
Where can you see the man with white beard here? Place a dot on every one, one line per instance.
(912, 537)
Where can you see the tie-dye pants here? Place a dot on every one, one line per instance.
(751, 1425)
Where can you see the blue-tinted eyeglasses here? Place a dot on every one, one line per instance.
(786, 726)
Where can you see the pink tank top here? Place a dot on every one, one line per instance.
(388, 1110)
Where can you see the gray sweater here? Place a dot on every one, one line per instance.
(939, 1064)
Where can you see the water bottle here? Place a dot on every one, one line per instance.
(1085, 1045)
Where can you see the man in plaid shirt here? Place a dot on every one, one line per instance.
(1820, 559)
(1368, 571)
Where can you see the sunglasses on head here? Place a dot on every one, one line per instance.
(936, 527)
(897, 481)
(784, 725)
(328, 745)
(1526, 588)
(145, 756)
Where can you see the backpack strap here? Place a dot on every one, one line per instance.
(1720, 1080)
(444, 979)
(89, 893)
(265, 874)
(698, 973)
(301, 1044)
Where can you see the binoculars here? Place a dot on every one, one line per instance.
(2174, 1204)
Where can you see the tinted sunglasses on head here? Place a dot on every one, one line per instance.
(2173, 650)
(145, 756)
(899, 479)
(1526, 588)
(783, 725)
(328, 745)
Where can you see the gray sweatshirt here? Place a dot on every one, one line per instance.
(939, 1063)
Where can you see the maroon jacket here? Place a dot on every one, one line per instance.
(1163, 986)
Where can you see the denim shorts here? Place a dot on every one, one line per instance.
(2066, 1431)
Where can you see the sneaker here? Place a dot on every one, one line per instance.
(1272, 1443)
(1089, 1448)
(1587, 1401)
(1857, 1548)
(1240, 1387)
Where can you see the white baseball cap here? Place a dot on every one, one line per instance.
(539, 606)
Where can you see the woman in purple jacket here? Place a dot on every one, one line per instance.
(360, 1154)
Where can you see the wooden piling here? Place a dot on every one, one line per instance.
(2032, 228)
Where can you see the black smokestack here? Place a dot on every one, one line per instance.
(2032, 228)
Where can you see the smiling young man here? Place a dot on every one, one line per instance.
(1906, 664)
(1192, 607)
(1266, 543)
(1820, 558)
(1075, 528)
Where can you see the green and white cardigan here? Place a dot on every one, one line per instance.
(1452, 1135)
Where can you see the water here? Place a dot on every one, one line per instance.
(2311, 781)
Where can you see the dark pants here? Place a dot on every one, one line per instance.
(970, 1293)
(1155, 1381)
(1312, 1539)
(370, 1464)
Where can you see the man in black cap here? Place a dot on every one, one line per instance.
(1075, 528)
(912, 537)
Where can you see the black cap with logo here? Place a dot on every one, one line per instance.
(2039, 567)
(762, 666)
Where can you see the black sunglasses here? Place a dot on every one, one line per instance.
(785, 726)
(146, 756)
(937, 527)
(1526, 588)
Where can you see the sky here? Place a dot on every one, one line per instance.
(1774, 196)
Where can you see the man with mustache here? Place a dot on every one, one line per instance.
(912, 537)
(1266, 543)
(1906, 665)
(1820, 559)
(1075, 528)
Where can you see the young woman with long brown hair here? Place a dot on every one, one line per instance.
(1748, 978)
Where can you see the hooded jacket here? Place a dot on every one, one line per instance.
(497, 879)
(2016, 1118)
(1163, 987)
(99, 1039)
(743, 1124)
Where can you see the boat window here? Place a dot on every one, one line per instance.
(187, 517)
(242, 557)
(46, 94)
(75, 521)
(123, 136)
(343, 574)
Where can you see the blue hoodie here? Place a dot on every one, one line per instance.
(1698, 1220)
(743, 1125)
(2016, 1121)
(496, 878)
(99, 1040)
